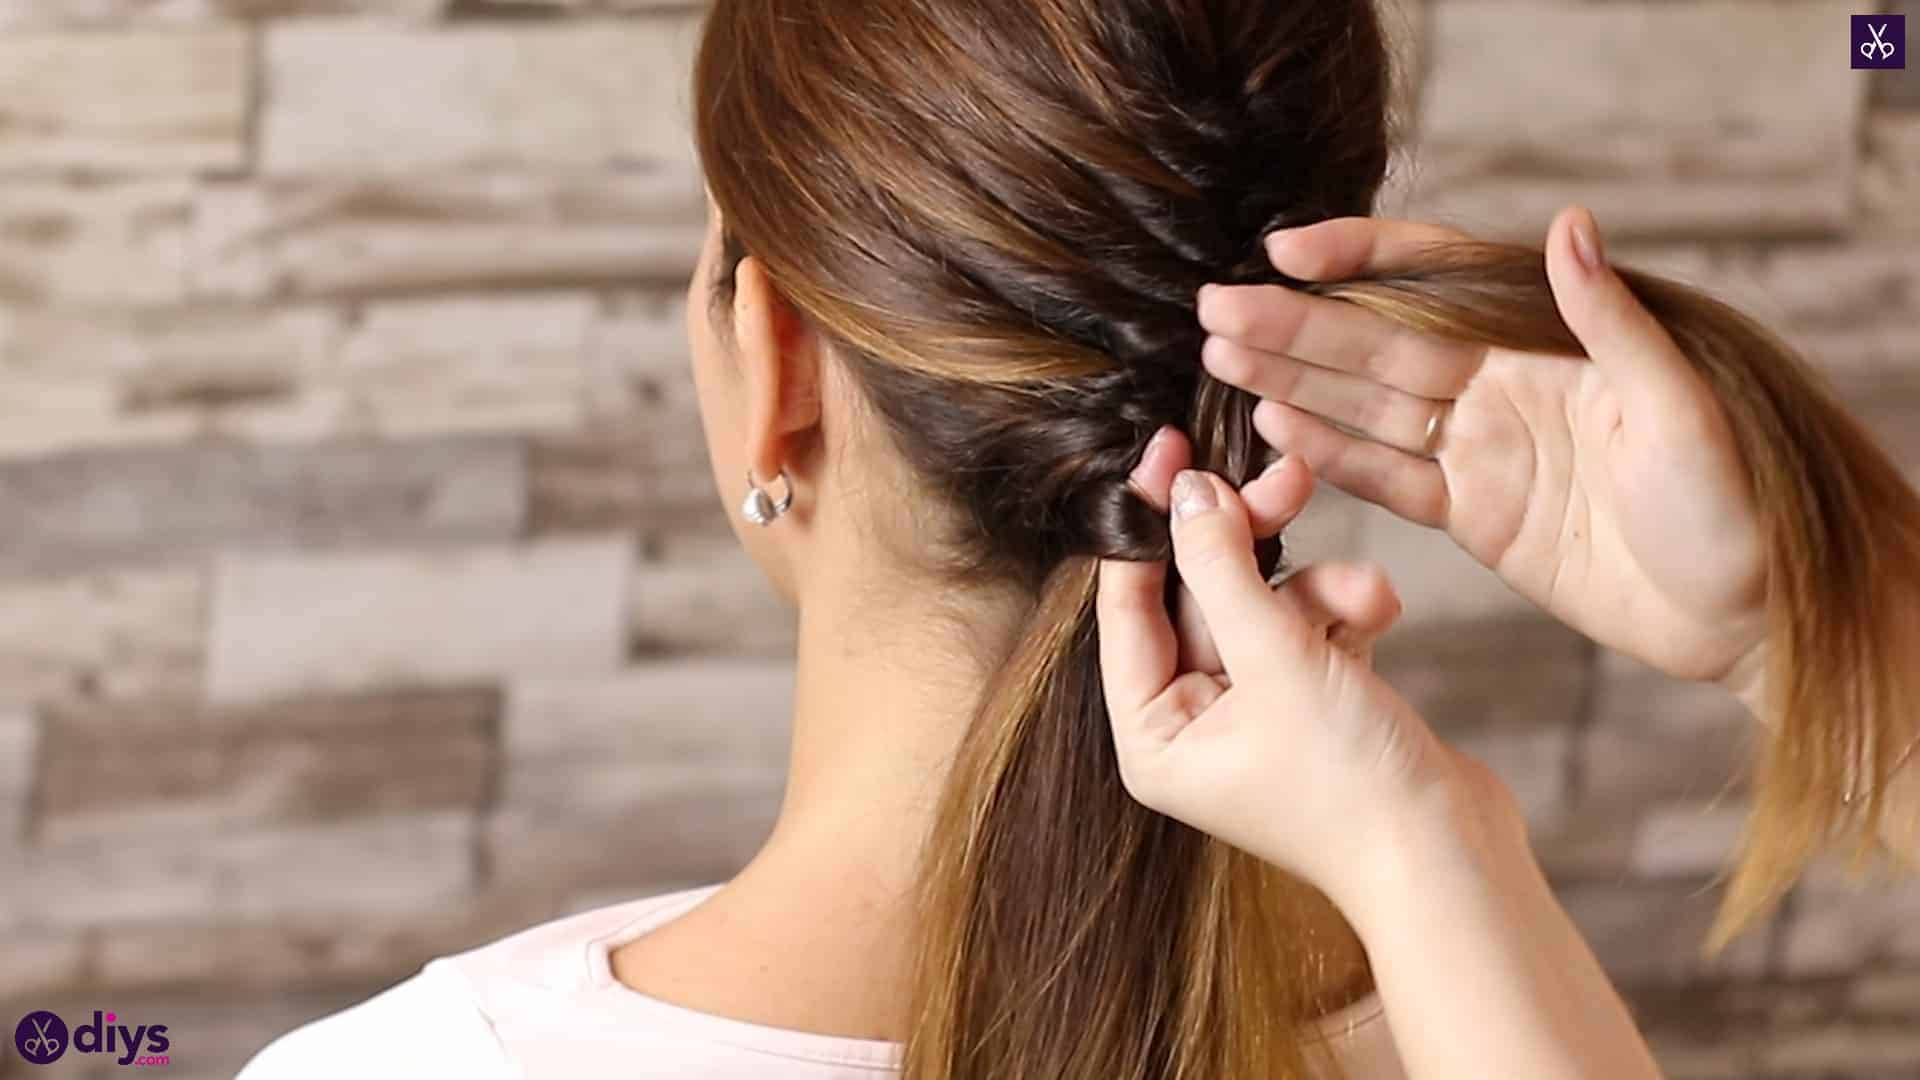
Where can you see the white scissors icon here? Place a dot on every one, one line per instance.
(42, 1045)
(1885, 48)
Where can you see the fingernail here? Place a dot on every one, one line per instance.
(1192, 495)
(1272, 467)
(1586, 244)
(1152, 448)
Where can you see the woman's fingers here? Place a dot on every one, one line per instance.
(1379, 411)
(1276, 496)
(1414, 488)
(1334, 334)
(1138, 646)
(1650, 373)
(1166, 454)
(1346, 247)
(1353, 602)
(1213, 547)
(1273, 499)
(1138, 650)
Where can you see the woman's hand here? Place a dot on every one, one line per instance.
(1299, 754)
(1610, 493)
(1274, 734)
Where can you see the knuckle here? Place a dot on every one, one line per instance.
(1137, 777)
(1233, 317)
(1377, 585)
(1121, 603)
(1228, 361)
(1206, 555)
(1373, 576)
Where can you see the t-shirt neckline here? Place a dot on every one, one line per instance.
(791, 1043)
(744, 1034)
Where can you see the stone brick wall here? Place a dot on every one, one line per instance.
(364, 596)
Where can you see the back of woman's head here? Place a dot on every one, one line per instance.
(999, 213)
(1002, 210)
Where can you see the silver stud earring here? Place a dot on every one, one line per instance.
(759, 507)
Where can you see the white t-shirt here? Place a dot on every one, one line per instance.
(543, 1003)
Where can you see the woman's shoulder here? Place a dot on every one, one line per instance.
(428, 1024)
(442, 1019)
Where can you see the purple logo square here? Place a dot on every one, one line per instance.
(1880, 41)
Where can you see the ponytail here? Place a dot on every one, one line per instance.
(1070, 932)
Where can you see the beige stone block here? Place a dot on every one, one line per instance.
(74, 511)
(1819, 286)
(1889, 407)
(639, 360)
(590, 898)
(1701, 1059)
(289, 624)
(1889, 176)
(648, 471)
(1588, 843)
(1849, 309)
(95, 244)
(384, 10)
(188, 768)
(700, 592)
(1843, 1048)
(1890, 994)
(1523, 673)
(1652, 932)
(39, 961)
(356, 98)
(576, 7)
(696, 709)
(117, 635)
(1436, 580)
(448, 230)
(1688, 840)
(470, 364)
(1843, 925)
(692, 726)
(131, 101)
(91, 379)
(1506, 690)
(649, 839)
(19, 742)
(305, 950)
(40, 14)
(372, 867)
(121, 14)
(1656, 739)
(1765, 142)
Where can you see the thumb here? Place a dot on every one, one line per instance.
(1648, 371)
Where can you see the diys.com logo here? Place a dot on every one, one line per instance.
(43, 1038)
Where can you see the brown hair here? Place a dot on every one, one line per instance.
(1000, 212)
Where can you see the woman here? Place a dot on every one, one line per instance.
(1032, 829)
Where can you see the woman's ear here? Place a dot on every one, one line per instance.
(779, 361)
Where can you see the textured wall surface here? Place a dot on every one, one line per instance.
(363, 591)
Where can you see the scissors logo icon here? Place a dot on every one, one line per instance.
(1879, 41)
(41, 1037)
(1883, 47)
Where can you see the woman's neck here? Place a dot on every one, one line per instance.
(816, 932)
